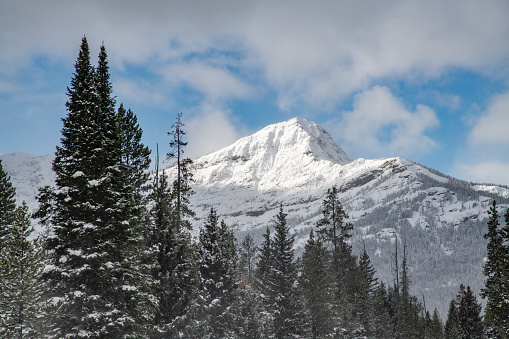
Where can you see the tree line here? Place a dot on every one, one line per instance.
(117, 259)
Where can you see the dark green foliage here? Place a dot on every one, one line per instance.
(452, 328)
(250, 320)
(263, 277)
(218, 268)
(496, 270)
(335, 230)
(21, 291)
(174, 264)
(181, 309)
(7, 204)
(381, 306)
(276, 274)
(95, 213)
(368, 285)
(435, 328)
(183, 177)
(469, 313)
(314, 287)
(284, 275)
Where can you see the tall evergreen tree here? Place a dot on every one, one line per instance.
(250, 320)
(469, 314)
(218, 268)
(21, 290)
(263, 276)
(314, 287)
(173, 265)
(381, 311)
(183, 177)
(284, 275)
(94, 215)
(7, 204)
(368, 285)
(452, 328)
(496, 286)
(336, 230)
(436, 328)
(177, 271)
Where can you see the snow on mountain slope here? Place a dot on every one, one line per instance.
(28, 173)
(440, 218)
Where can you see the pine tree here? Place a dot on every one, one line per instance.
(263, 276)
(381, 311)
(218, 268)
(314, 287)
(452, 328)
(21, 291)
(174, 263)
(95, 215)
(496, 270)
(183, 178)
(368, 285)
(335, 230)
(469, 314)
(284, 275)
(181, 307)
(436, 329)
(409, 307)
(247, 256)
(7, 204)
(250, 321)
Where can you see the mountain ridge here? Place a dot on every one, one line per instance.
(441, 218)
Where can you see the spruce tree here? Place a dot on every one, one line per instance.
(183, 176)
(469, 314)
(334, 228)
(496, 270)
(250, 319)
(174, 263)
(381, 310)
(218, 268)
(284, 274)
(368, 285)
(95, 215)
(181, 308)
(314, 288)
(21, 290)
(7, 204)
(452, 328)
(436, 329)
(263, 276)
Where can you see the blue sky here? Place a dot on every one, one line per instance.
(424, 80)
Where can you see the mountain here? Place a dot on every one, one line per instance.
(28, 173)
(440, 219)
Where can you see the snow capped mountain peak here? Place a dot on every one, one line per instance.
(272, 155)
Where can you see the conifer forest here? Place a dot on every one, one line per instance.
(117, 258)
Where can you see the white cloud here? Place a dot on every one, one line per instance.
(306, 51)
(485, 172)
(140, 92)
(379, 124)
(210, 130)
(492, 126)
(214, 82)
